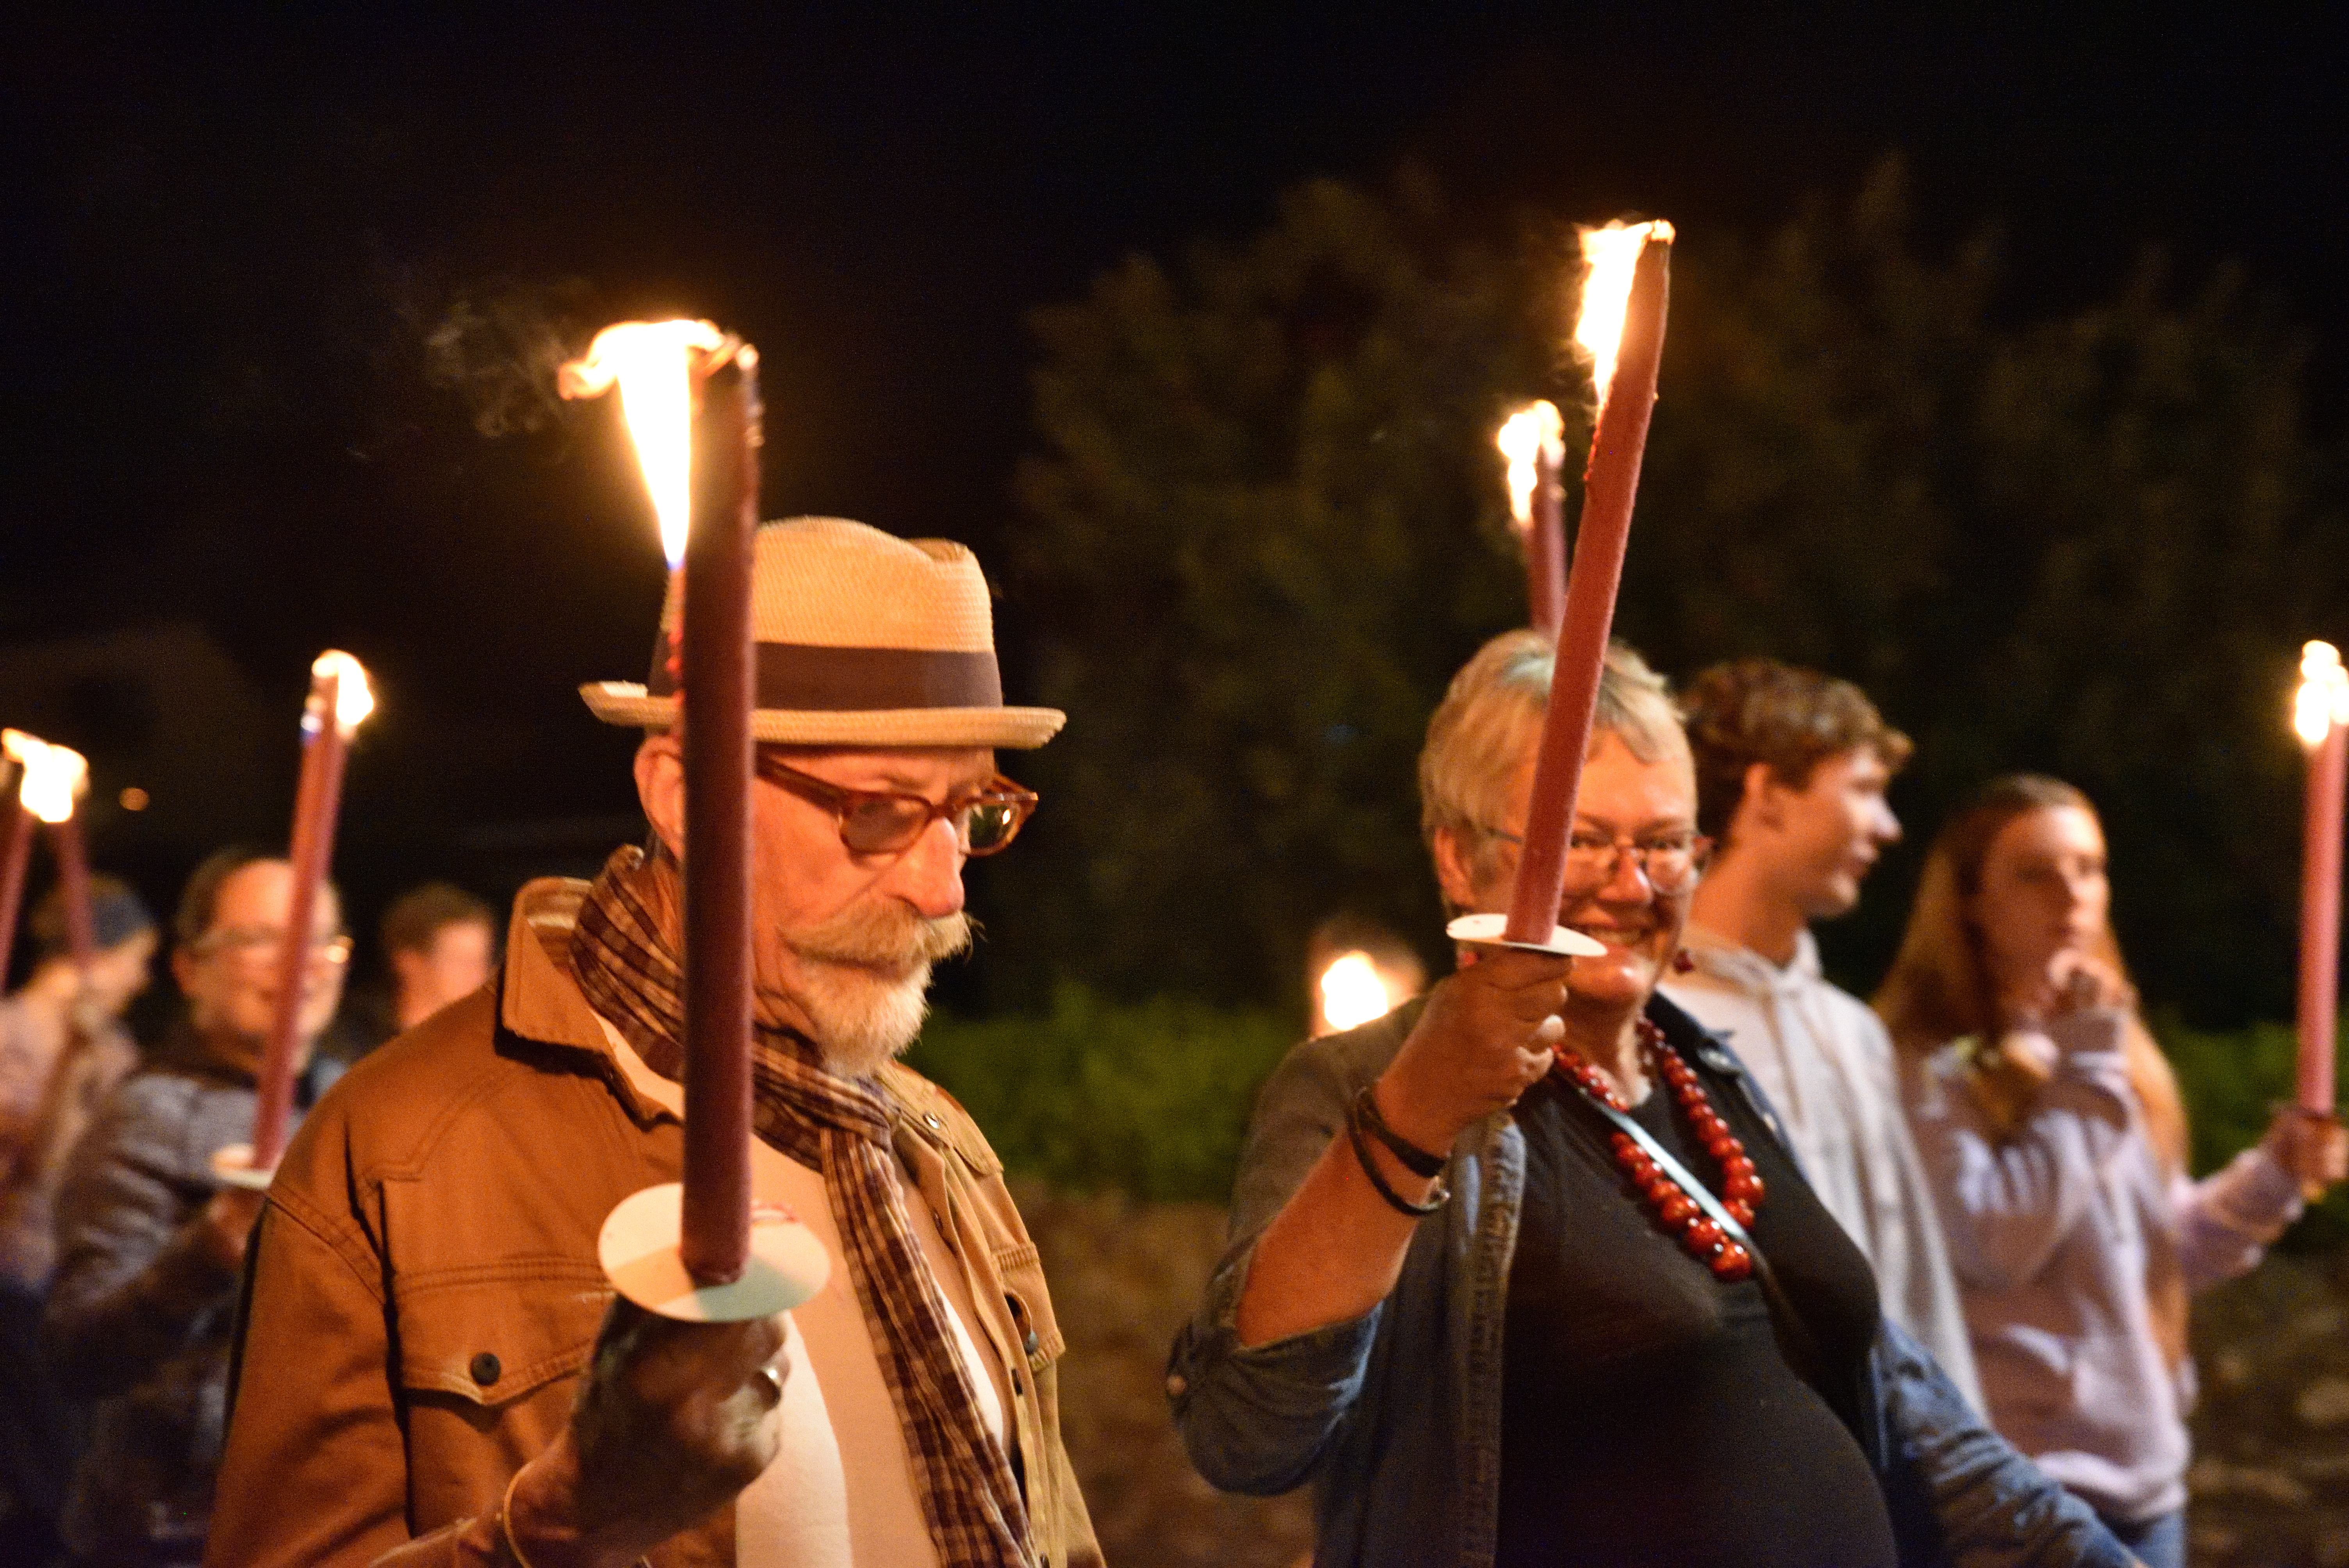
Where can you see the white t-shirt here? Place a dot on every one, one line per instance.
(841, 1490)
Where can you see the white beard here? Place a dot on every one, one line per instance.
(862, 1021)
(864, 978)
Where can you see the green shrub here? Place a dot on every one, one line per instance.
(1151, 1098)
(2232, 1080)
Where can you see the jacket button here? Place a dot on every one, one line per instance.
(484, 1369)
(1176, 1387)
(1030, 1343)
(936, 1125)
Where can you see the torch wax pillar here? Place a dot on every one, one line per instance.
(718, 696)
(317, 800)
(73, 875)
(13, 858)
(1609, 485)
(1546, 547)
(2320, 919)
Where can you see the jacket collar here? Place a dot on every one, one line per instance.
(539, 1001)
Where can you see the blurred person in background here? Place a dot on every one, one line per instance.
(2053, 1130)
(439, 945)
(1489, 1335)
(150, 1245)
(63, 1049)
(442, 944)
(1791, 770)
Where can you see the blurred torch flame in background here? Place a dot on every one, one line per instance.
(1358, 970)
(651, 362)
(1529, 433)
(2324, 697)
(1609, 255)
(54, 775)
(353, 699)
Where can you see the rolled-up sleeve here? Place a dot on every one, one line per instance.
(1258, 1419)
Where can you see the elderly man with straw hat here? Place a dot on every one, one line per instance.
(434, 1369)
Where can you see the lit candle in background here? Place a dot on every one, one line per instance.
(1531, 442)
(14, 855)
(1352, 991)
(73, 875)
(50, 780)
(339, 702)
(1357, 969)
(1625, 294)
(2320, 715)
(703, 476)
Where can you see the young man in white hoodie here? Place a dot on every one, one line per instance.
(1792, 766)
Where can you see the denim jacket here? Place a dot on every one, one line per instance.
(1395, 1415)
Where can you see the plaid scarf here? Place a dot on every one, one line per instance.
(626, 964)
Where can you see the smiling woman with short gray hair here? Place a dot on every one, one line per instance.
(1523, 1273)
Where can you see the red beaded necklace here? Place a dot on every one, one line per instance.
(1672, 1208)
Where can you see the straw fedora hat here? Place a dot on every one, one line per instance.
(864, 639)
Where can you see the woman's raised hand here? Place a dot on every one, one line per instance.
(2312, 1146)
(1487, 1035)
(2072, 982)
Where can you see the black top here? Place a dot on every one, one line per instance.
(1648, 1413)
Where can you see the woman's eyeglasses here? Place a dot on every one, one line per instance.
(987, 816)
(1669, 862)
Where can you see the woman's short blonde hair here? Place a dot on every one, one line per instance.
(1492, 714)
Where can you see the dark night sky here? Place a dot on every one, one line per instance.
(227, 236)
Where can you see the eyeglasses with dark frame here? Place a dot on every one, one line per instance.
(986, 816)
(1669, 862)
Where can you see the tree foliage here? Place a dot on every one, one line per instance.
(1266, 525)
(1265, 531)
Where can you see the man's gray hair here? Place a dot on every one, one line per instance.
(1492, 714)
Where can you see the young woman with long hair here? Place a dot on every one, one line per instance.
(2054, 1134)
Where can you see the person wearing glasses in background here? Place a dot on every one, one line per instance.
(430, 1371)
(150, 1246)
(1523, 1273)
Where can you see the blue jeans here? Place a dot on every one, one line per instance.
(2159, 1543)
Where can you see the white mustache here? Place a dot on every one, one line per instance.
(883, 936)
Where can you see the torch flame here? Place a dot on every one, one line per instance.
(2324, 697)
(54, 776)
(1529, 433)
(1353, 992)
(353, 699)
(651, 362)
(1609, 255)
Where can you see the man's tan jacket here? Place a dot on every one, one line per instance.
(424, 1288)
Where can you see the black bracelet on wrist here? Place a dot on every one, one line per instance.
(1437, 1195)
(1409, 1155)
